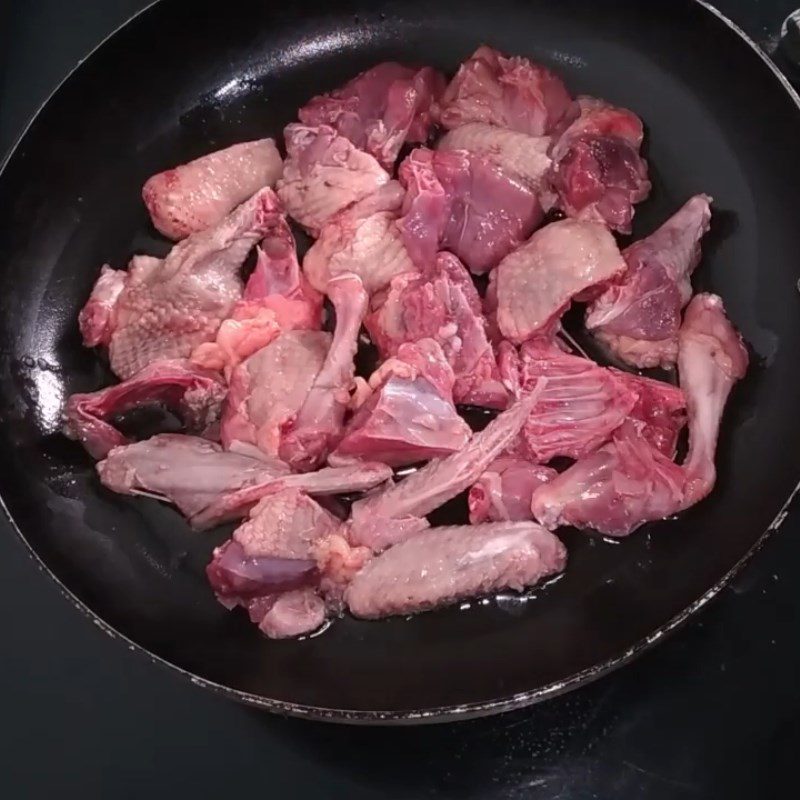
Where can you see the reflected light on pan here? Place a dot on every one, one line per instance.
(306, 49)
(48, 397)
(228, 89)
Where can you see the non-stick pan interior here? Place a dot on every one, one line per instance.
(187, 77)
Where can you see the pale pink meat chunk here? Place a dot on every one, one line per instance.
(616, 489)
(338, 561)
(504, 491)
(278, 282)
(660, 410)
(322, 483)
(365, 240)
(410, 415)
(509, 92)
(269, 567)
(448, 564)
(521, 156)
(638, 316)
(249, 327)
(414, 359)
(269, 388)
(188, 471)
(711, 358)
(276, 298)
(200, 194)
(293, 613)
(536, 283)
(463, 203)
(578, 409)
(426, 208)
(96, 319)
(628, 482)
(169, 307)
(590, 116)
(316, 429)
(282, 562)
(277, 270)
(196, 394)
(598, 173)
(286, 524)
(211, 485)
(374, 534)
(380, 109)
(324, 174)
(437, 482)
(441, 304)
(257, 584)
(583, 403)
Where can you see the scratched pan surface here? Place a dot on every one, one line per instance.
(187, 77)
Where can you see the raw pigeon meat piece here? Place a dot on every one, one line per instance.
(277, 278)
(185, 470)
(327, 481)
(523, 157)
(268, 388)
(210, 485)
(380, 109)
(292, 614)
(598, 173)
(375, 534)
(711, 358)
(277, 298)
(448, 564)
(409, 416)
(624, 484)
(536, 283)
(237, 581)
(364, 240)
(437, 482)
(426, 208)
(638, 316)
(463, 203)
(318, 425)
(504, 491)
(285, 525)
(97, 320)
(324, 174)
(338, 562)
(169, 307)
(628, 482)
(269, 568)
(443, 305)
(507, 92)
(660, 410)
(96, 317)
(200, 194)
(578, 409)
(196, 394)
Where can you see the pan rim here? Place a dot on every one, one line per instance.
(439, 714)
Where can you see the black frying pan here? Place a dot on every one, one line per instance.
(187, 77)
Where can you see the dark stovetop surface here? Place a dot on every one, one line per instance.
(712, 713)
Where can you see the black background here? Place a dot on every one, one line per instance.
(712, 713)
